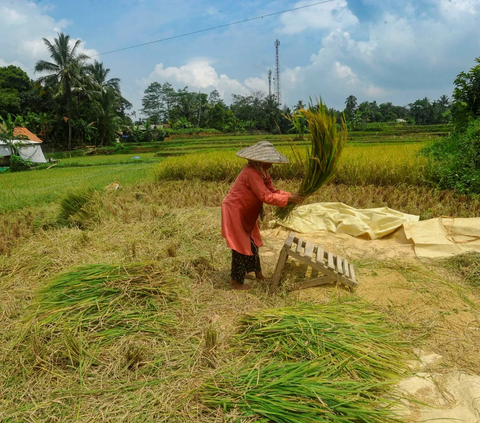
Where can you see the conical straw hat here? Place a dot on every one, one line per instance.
(264, 152)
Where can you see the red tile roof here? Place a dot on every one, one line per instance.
(26, 134)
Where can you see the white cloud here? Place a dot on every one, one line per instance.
(200, 74)
(197, 73)
(324, 16)
(14, 63)
(257, 84)
(23, 25)
(344, 72)
(400, 56)
(456, 8)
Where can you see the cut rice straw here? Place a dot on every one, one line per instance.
(335, 362)
(323, 153)
(342, 332)
(105, 300)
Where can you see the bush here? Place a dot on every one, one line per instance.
(17, 164)
(454, 162)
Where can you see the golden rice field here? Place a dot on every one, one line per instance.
(359, 165)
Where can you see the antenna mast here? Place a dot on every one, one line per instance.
(277, 73)
(269, 82)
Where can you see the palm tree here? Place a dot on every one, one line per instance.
(99, 79)
(350, 106)
(108, 122)
(67, 72)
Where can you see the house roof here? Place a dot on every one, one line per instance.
(19, 131)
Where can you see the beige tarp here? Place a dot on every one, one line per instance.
(432, 238)
(340, 218)
(444, 237)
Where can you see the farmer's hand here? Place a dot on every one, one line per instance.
(295, 198)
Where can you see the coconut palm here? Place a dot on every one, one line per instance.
(98, 76)
(66, 72)
(107, 122)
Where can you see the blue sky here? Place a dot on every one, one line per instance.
(381, 50)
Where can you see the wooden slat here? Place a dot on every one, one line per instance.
(309, 249)
(320, 255)
(324, 280)
(300, 245)
(330, 261)
(352, 273)
(289, 240)
(282, 259)
(318, 266)
(346, 268)
(339, 265)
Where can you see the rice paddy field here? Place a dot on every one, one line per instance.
(115, 304)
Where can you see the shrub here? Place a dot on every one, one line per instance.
(454, 162)
(17, 164)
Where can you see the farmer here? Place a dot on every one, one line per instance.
(244, 203)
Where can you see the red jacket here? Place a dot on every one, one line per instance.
(242, 205)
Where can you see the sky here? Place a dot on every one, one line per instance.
(377, 50)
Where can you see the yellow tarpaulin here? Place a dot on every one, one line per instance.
(444, 237)
(340, 218)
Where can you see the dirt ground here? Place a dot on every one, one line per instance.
(434, 308)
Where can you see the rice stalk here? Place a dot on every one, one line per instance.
(335, 362)
(304, 392)
(323, 153)
(345, 334)
(105, 301)
(74, 208)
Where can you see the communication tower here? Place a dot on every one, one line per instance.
(269, 82)
(277, 73)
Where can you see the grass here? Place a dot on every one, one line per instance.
(322, 153)
(333, 363)
(34, 188)
(108, 160)
(92, 331)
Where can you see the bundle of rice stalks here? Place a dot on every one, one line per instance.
(299, 393)
(323, 153)
(106, 301)
(346, 334)
(74, 208)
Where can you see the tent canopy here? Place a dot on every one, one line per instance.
(28, 150)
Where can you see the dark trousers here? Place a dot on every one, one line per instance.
(242, 264)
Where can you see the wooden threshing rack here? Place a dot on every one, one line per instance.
(330, 268)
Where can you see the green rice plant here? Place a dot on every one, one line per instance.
(323, 153)
(39, 187)
(106, 301)
(347, 334)
(304, 392)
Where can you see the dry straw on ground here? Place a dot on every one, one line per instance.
(48, 376)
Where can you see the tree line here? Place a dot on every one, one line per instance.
(74, 102)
